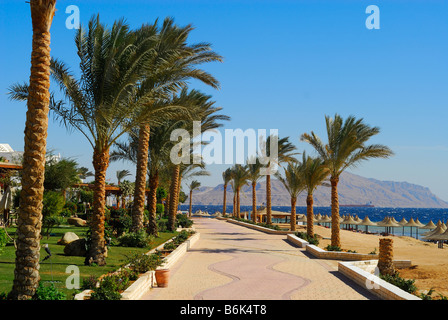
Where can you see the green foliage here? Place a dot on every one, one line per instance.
(169, 246)
(396, 280)
(161, 193)
(48, 293)
(89, 283)
(53, 202)
(312, 240)
(86, 196)
(71, 206)
(3, 239)
(333, 248)
(183, 221)
(142, 263)
(119, 222)
(160, 208)
(139, 239)
(162, 225)
(48, 223)
(60, 175)
(182, 197)
(110, 287)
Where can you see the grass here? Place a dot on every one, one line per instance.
(54, 269)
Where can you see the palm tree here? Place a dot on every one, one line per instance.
(346, 148)
(314, 173)
(194, 185)
(240, 176)
(294, 184)
(102, 104)
(121, 174)
(226, 176)
(284, 154)
(174, 64)
(254, 167)
(26, 274)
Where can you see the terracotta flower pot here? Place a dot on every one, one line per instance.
(162, 277)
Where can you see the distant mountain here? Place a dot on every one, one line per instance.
(353, 189)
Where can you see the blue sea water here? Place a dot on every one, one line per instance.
(375, 214)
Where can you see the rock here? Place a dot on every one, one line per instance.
(67, 238)
(77, 222)
(76, 248)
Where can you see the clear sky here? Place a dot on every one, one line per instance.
(287, 64)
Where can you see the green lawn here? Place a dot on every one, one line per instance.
(54, 269)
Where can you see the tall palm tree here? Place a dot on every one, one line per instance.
(346, 147)
(254, 167)
(294, 184)
(26, 274)
(284, 154)
(101, 104)
(174, 64)
(314, 173)
(240, 177)
(194, 185)
(226, 177)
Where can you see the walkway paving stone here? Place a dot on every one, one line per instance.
(231, 262)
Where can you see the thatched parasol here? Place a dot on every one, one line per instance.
(438, 230)
(367, 222)
(429, 225)
(411, 224)
(349, 221)
(438, 235)
(388, 223)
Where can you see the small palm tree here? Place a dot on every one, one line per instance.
(240, 177)
(314, 173)
(194, 185)
(346, 147)
(285, 154)
(254, 167)
(226, 177)
(294, 184)
(121, 174)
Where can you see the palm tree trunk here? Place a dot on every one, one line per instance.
(293, 214)
(29, 222)
(335, 237)
(138, 207)
(268, 200)
(152, 203)
(254, 202)
(234, 204)
(309, 215)
(98, 251)
(238, 203)
(173, 198)
(189, 211)
(224, 201)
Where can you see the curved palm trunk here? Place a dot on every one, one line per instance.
(268, 200)
(335, 237)
(173, 198)
(309, 215)
(189, 211)
(29, 222)
(152, 203)
(138, 207)
(293, 214)
(254, 202)
(224, 201)
(98, 251)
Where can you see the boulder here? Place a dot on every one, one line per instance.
(67, 238)
(77, 222)
(76, 248)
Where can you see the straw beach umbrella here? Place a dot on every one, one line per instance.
(429, 225)
(325, 219)
(438, 235)
(402, 222)
(349, 221)
(388, 223)
(367, 222)
(411, 224)
(438, 230)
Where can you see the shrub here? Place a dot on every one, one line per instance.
(396, 280)
(169, 246)
(71, 206)
(81, 208)
(110, 287)
(53, 203)
(162, 225)
(139, 239)
(89, 283)
(48, 223)
(3, 239)
(120, 221)
(312, 240)
(183, 221)
(333, 248)
(160, 208)
(142, 263)
(48, 293)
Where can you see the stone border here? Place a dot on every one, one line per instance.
(257, 227)
(361, 272)
(147, 280)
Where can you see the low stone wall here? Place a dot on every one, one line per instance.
(362, 272)
(259, 228)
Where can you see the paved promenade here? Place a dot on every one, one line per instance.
(231, 262)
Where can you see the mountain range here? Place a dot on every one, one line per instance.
(352, 188)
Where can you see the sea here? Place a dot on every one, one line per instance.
(375, 214)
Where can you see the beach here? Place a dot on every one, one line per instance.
(429, 263)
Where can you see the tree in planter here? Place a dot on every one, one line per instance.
(346, 147)
(294, 184)
(254, 167)
(194, 185)
(240, 177)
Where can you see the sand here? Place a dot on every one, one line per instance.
(429, 263)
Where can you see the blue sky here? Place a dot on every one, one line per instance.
(287, 64)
